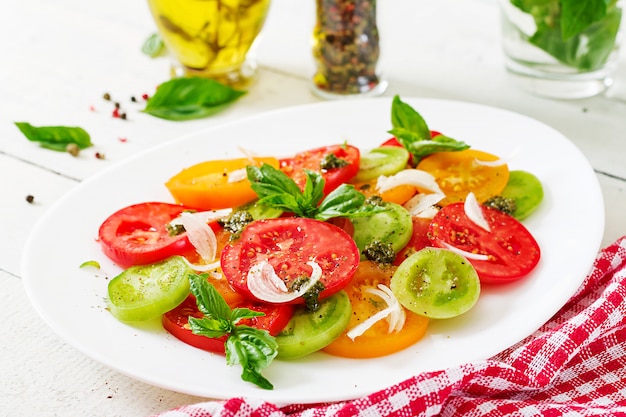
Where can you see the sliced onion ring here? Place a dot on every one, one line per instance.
(474, 212)
(266, 285)
(422, 205)
(466, 254)
(394, 312)
(415, 177)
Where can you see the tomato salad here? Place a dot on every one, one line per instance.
(339, 249)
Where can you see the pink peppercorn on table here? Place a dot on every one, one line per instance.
(61, 59)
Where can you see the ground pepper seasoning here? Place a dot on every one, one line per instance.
(346, 48)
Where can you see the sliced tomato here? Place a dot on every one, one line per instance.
(288, 244)
(215, 184)
(419, 239)
(312, 160)
(138, 235)
(176, 322)
(377, 340)
(459, 173)
(399, 195)
(511, 249)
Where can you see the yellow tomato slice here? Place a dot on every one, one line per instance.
(459, 173)
(376, 341)
(215, 184)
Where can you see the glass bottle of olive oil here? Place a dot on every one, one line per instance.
(211, 38)
(346, 49)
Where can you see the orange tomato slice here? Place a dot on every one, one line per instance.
(376, 341)
(459, 173)
(215, 184)
(399, 195)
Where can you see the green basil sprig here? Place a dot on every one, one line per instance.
(578, 33)
(276, 189)
(190, 98)
(411, 130)
(254, 349)
(55, 137)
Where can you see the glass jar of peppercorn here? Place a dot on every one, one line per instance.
(346, 49)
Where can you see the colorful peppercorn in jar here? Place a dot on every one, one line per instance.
(346, 49)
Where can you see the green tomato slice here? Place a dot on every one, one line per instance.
(310, 331)
(393, 226)
(144, 292)
(384, 160)
(436, 283)
(526, 190)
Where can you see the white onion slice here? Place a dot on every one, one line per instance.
(266, 285)
(211, 268)
(421, 205)
(415, 177)
(238, 175)
(474, 212)
(466, 254)
(206, 216)
(394, 312)
(199, 234)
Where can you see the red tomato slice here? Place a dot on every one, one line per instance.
(294, 167)
(419, 239)
(138, 235)
(176, 322)
(288, 244)
(512, 250)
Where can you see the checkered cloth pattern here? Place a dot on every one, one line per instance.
(574, 365)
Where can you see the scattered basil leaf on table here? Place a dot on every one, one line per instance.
(153, 46)
(253, 349)
(55, 137)
(411, 130)
(277, 189)
(190, 98)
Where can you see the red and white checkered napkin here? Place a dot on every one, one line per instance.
(575, 365)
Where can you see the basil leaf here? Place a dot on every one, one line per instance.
(276, 189)
(268, 180)
(153, 46)
(190, 98)
(55, 137)
(254, 350)
(244, 313)
(209, 327)
(210, 301)
(314, 187)
(346, 201)
(577, 15)
(411, 130)
(439, 143)
(403, 116)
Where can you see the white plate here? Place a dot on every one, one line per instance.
(568, 227)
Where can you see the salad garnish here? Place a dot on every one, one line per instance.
(411, 130)
(253, 349)
(276, 189)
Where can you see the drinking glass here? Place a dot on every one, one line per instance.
(561, 49)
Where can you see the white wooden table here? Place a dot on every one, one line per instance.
(60, 57)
